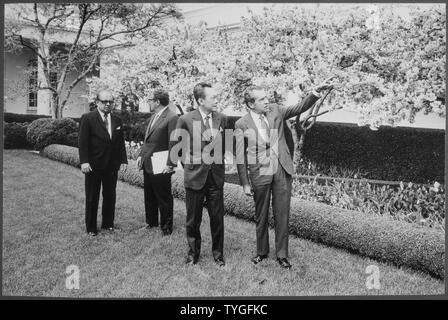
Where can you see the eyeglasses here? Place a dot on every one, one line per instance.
(107, 101)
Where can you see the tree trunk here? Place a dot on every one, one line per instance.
(295, 138)
(56, 113)
(299, 149)
(299, 134)
(299, 140)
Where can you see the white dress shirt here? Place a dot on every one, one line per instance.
(317, 94)
(109, 123)
(256, 117)
(203, 115)
(157, 115)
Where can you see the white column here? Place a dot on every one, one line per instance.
(43, 95)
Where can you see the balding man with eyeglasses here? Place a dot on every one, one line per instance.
(101, 153)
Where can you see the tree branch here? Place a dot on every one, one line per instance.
(36, 19)
(47, 88)
(113, 34)
(73, 46)
(33, 49)
(55, 16)
(80, 77)
(314, 114)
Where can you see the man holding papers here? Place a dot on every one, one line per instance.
(156, 164)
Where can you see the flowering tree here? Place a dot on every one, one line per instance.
(175, 57)
(388, 68)
(96, 28)
(386, 74)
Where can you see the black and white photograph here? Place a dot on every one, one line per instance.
(223, 150)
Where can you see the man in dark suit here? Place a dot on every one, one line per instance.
(261, 149)
(101, 153)
(157, 187)
(204, 171)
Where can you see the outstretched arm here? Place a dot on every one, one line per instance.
(308, 102)
(304, 105)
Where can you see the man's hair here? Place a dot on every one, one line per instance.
(249, 94)
(162, 96)
(102, 90)
(199, 91)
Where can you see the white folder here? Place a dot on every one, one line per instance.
(158, 161)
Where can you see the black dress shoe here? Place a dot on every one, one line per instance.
(191, 260)
(92, 234)
(146, 227)
(220, 262)
(259, 258)
(284, 263)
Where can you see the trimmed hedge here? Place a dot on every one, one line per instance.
(411, 154)
(62, 153)
(397, 154)
(43, 132)
(10, 117)
(386, 240)
(397, 242)
(15, 135)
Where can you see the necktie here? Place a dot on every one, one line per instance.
(207, 122)
(264, 126)
(207, 127)
(106, 122)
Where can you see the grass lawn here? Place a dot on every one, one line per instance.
(44, 232)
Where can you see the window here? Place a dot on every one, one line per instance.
(32, 84)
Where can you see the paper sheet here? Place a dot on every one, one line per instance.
(158, 161)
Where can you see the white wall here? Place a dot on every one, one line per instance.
(14, 82)
(17, 100)
(77, 103)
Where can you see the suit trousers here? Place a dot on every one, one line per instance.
(213, 195)
(280, 188)
(158, 197)
(106, 178)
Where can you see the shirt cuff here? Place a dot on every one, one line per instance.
(317, 94)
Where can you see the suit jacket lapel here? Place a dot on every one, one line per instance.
(216, 123)
(196, 116)
(251, 123)
(216, 120)
(158, 121)
(148, 124)
(101, 123)
(271, 120)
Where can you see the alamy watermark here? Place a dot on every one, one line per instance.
(373, 278)
(72, 280)
(213, 145)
